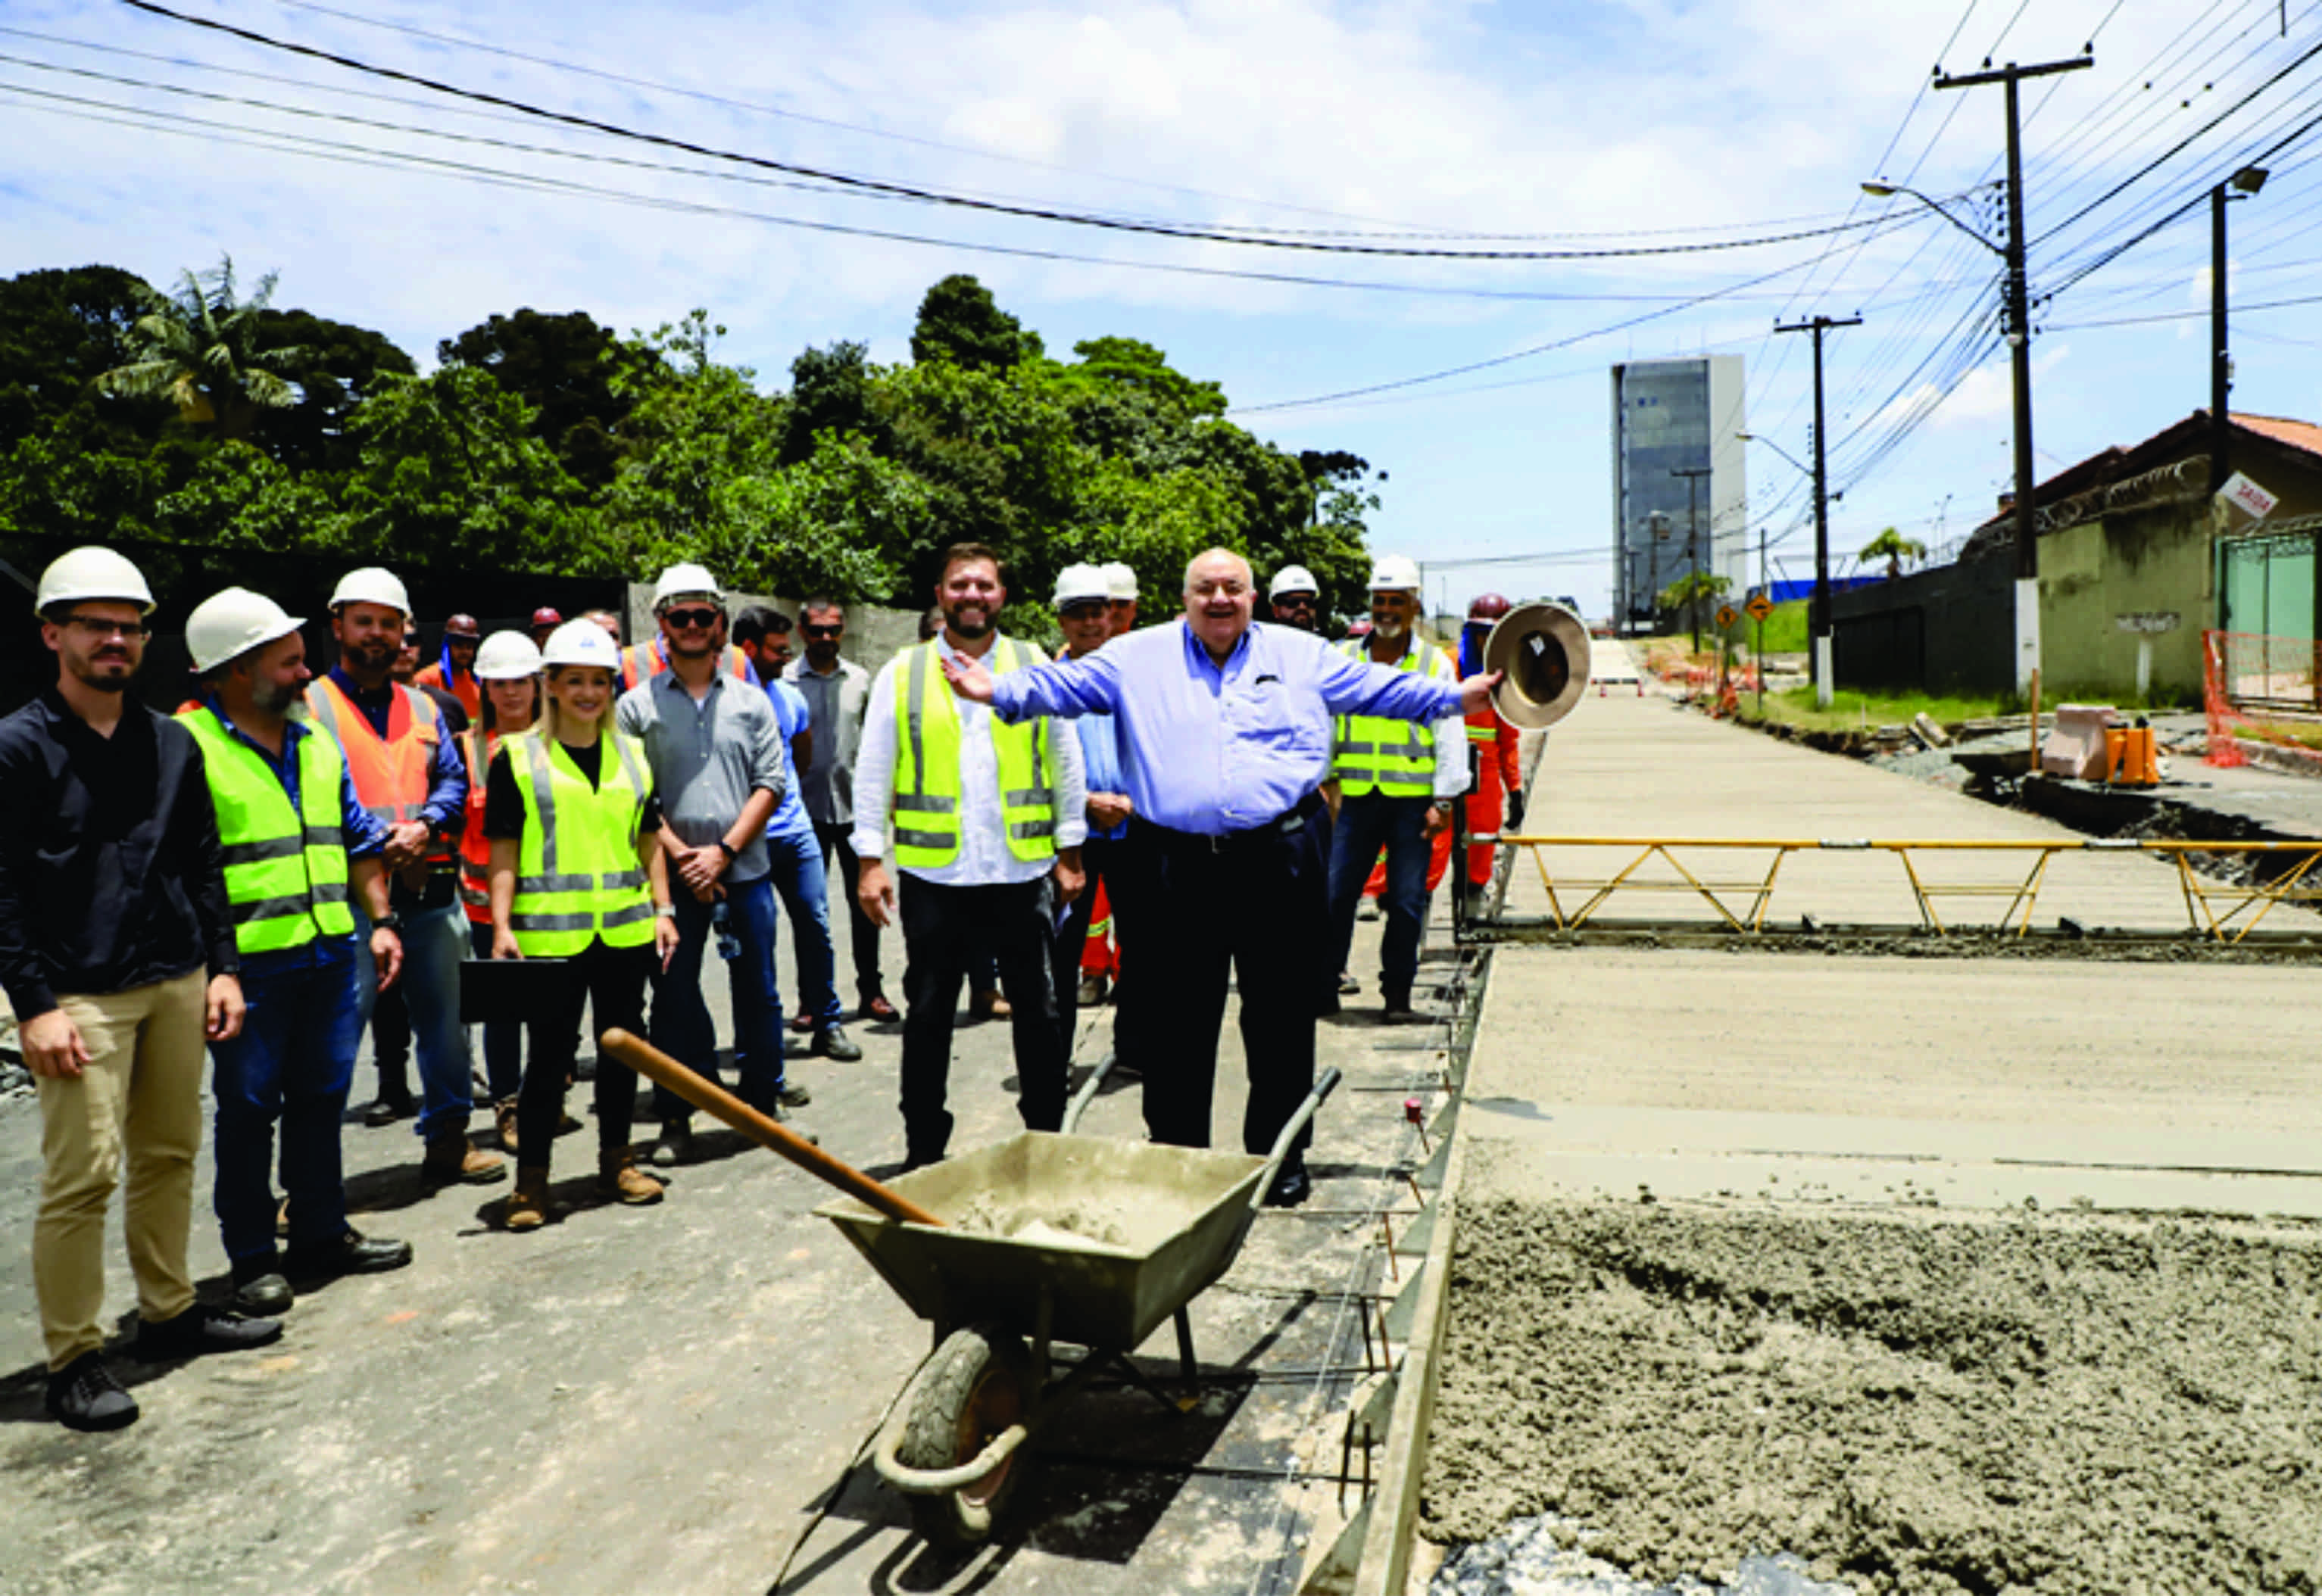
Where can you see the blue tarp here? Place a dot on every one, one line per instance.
(1784, 592)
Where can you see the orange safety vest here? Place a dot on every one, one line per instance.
(642, 661)
(391, 773)
(475, 848)
(464, 686)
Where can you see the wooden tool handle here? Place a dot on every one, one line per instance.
(710, 1098)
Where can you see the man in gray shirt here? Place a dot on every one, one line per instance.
(836, 692)
(715, 751)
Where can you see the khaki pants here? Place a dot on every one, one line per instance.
(140, 1096)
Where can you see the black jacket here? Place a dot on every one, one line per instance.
(110, 872)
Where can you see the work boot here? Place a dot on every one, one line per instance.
(527, 1208)
(84, 1395)
(504, 1121)
(453, 1160)
(832, 1041)
(618, 1176)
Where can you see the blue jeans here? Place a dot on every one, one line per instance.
(433, 944)
(292, 1062)
(680, 1018)
(503, 1039)
(797, 875)
(1365, 824)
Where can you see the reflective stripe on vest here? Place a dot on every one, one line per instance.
(1374, 754)
(392, 779)
(927, 789)
(285, 871)
(577, 873)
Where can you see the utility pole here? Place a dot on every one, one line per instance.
(2248, 181)
(1692, 476)
(2019, 340)
(1765, 587)
(1818, 627)
(1656, 528)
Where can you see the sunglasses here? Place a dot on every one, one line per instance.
(1085, 610)
(690, 617)
(835, 629)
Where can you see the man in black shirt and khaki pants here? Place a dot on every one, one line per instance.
(118, 953)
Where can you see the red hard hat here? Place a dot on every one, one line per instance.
(1488, 606)
(546, 616)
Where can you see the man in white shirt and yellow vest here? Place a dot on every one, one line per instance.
(1397, 782)
(987, 822)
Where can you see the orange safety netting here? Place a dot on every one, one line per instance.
(2254, 688)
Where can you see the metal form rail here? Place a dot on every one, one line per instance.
(2218, 911)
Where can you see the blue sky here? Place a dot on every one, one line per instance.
(1585, 127)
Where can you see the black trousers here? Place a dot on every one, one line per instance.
(868, 983)
(390, 1042)
(943, 927)
(1254, 905)
(612, 981)
(1114, 861)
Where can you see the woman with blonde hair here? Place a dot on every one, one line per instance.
(577, 873)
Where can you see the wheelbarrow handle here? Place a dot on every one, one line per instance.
(710, 1098)
(1087, 1093)
(1323, 1088)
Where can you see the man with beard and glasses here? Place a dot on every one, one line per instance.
(988, 825)
(1397, 781)
(117, 953)
(300, 849)
(1225, 742)
(409, 774)
(1294, 596)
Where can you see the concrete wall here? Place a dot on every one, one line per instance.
(2144, 562)
(874, 635)
(1948, 629)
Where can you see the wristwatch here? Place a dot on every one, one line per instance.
(727, 848)
(389, 921)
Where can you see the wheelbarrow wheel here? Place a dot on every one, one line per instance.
(979, 1383)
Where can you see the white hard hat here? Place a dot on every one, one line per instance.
(1293, 579)
(372, 584)
(681, 580)
(1119, 581)
(229, 624)
(581, 643)
(1078, 584)
(91, 574)
(511, 656)
(1394, 574)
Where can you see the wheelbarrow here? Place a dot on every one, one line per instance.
(1007, 1251)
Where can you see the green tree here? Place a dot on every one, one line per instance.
(1893, 547)
(830, 392)
(566, 367)
(335, 366)
(60, 331)
(1692, 591)
(960, 323)
(200, 349)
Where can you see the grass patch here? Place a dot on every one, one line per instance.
(1852, 711)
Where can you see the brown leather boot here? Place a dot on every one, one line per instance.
(504, 1121)
(618, 1176)
(454, 1159)
(527, 1206)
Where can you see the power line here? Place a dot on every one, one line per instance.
(965, 201)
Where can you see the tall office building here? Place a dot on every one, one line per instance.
(1671, 419)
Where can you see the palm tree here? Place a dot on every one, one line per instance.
(199, 349)
(1693, 588)
(1893, 547)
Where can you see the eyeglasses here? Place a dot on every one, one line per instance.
(1086, 609)
(684, 618)
(809, 629)
(92, 627)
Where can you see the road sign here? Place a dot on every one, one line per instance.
(1726, 618)
(2246, 495)
(1758, 607)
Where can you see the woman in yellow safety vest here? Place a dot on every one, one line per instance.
(577, 873)
(507, 668)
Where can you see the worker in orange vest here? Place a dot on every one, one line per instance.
(408, 774)
(642, 661)
(1497, 798)
(454, 671)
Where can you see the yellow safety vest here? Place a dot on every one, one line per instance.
(286, 871)
(577, 876)
(1395, 758)
(926, 791)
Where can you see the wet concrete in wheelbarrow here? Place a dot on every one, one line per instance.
(2062, 1403)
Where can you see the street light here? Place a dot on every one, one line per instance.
(1777, 447)
(2019, 345)
(2243, 183)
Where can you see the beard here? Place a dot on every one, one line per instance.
(971, 629)
(371, 656)
(105, 672)
(1390, 627)
(272, 698)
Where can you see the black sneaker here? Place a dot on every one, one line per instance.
(203, 1328)
(832, 1041)
(259, 1287)
(352, 1253)
(388, 1109)
(1291, 1187)
(674, 1145)
(84, 1395)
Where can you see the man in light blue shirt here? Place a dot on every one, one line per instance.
(1226, 732)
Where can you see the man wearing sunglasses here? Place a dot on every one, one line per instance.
(1295, 597)
(117, 953)
(716, 750)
